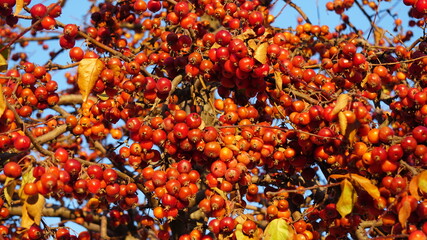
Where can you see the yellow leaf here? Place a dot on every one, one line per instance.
(239, 234)
(347, 199)
(232, 147)
(413, 187)
(341, 103)
(93, 203)
(343, 122)
(404, 213)
(88, 71)
(103, 96)
(32, 210)
(252, 44)
(2, 101)
(3, 58)
(246, 34)
(261, 53)
(367, 185)
(27, 177)
(422, 181)
(338, 176)
(18, 7)
(279, 229)
(9, 190)
(351, 132)
(278, 79)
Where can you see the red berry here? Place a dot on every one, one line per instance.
(12, 169)
(22, 143)
(38, 11)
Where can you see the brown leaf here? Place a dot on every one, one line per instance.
(367, 185)
(32, 210)
(18, 7)
(347, 199)
(278, 79)
(261, 53)
(343, 122)
(342, 102)
(88, 71)
(404, 213)
(2, 101)
(413, 187)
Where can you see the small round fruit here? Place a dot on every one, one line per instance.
(22, 143)
(12, 169)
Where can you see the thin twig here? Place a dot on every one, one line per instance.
(27, 132)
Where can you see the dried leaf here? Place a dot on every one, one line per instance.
(279, 229)
(261, 53)
(347, 199)
(232, 147)
(422, 181)
(9, 190)
(413, 187)
(343, 122)
(215, 45)
(220, 192)
(103, 96)
(252, 44)
(18, 7)
(351, 132)
(27, 177)
(88, 72)
(4, 55)
(32, 210)
(367, 185)
(342, 102)
(404, 213)
(93, 203)
(338, 176)
(247, 34)
(239, 233)
(278, 79)
(2, 101)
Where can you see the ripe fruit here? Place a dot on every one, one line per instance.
(22, 143)
(38, 11)
(12, 170)
(421, 6)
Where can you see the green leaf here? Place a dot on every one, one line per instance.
(278, 229)
(4, 55)
(347, 199)
(9, 190)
